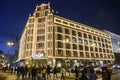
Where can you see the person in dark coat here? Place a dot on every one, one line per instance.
(109, 72)
(62, 73)
(39, 72)
(22, 72)
(18, 72)
(29, 72)
(105, 73)
(76, 73)
(55, 72)
(34, 73)
(92, 75)
(85, 70)
(83, 76)
(48, 71)
(26, 71)
(44, 73)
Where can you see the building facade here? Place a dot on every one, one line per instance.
(115, 39)
(52, 39)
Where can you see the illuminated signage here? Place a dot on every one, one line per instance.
(38, 55)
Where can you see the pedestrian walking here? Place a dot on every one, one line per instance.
(83, 76)
(76, 73)
(109, 72)
(18, 72)
(105, 73)
(29, 72)
(44, 73)
(92, 75)
(22, 72)
(85, 70)
(26, 71)
(34, 73)
(55, 72)
(11, 70)
(62, 73)
(48, 71)
(39, 73)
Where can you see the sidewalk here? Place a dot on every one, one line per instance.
(9, 76)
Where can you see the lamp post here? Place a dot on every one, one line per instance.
(67, 40)
(10, 43)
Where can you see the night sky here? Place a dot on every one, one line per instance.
(102, 14)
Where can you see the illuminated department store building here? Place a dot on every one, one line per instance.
(51, 39)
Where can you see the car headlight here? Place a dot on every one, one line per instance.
(118, 66)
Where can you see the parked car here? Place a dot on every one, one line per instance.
(116, 66)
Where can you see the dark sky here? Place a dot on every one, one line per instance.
(103, 14)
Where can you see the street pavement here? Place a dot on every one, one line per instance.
(9, 76)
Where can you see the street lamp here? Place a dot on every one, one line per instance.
(67, 40)
(10, 43)
(67, 61)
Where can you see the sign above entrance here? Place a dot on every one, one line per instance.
(38, 55)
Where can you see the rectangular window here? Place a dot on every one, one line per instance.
(39, 8)
(59, 37)
(68, 46)
(58, 20)
(71, 24)
(74, 46)
(86, 48)
(79, 34)
(37, 14)
(80, 47)
(67, 31)
(75, 54)
(60, 45)
(74, 40)
(85, 35)
(65, 23)
(74, 33)
(59, 29)
(40, 38)
(81, 54)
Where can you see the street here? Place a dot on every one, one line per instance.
(116, 76)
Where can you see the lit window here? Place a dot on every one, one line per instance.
(60, 52)
(80, 41)
(85, 42)
(74, 40)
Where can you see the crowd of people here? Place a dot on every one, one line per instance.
(36, 73)
(44, 72)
